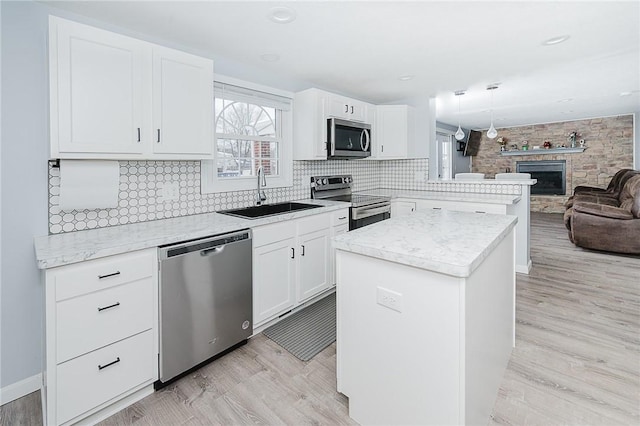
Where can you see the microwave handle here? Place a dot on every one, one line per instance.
(332, 141)
(365, 145)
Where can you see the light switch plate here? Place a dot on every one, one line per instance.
(170, 191)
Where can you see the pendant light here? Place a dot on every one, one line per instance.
(459, 134)
(492, 132)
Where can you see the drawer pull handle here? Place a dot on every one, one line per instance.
(101, 367)
(342, 218)
(293, 253)
(480, 211)
(108, 275)
(109, 307)
(437, 208)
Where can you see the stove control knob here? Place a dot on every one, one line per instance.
(325, 181)
(349, 180)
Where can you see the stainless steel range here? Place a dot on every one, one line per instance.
(365, 209)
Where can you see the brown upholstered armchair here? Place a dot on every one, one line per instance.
(606, 225)
(608, 196)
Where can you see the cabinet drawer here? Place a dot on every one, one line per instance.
(313, 223)
(340, 217)
(93, 275)
(269, 234)
(82, 384)
(97, 319)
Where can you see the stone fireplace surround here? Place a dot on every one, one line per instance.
(609, 142)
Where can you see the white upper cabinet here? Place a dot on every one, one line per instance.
(310, 125)
(182, 102)
(394, 133)
(112, 96)
(97, 92)
(346, 108)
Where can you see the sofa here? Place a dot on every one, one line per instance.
(608, 219)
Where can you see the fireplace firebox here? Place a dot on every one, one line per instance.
(551, 176)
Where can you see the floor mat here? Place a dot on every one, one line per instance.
(308, 331)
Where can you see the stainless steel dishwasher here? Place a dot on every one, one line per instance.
(205, 300)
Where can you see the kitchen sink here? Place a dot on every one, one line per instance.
(256, 212)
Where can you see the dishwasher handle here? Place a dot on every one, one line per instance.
(212, 251)
(206, 246)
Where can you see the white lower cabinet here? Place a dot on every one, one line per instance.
(402, 208)
(274, 275)
(292, 262)
(461, 206)
(339, 226)
(101, 334)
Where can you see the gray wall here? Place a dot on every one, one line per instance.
(25, 116)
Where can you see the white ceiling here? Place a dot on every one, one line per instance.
(360, 48)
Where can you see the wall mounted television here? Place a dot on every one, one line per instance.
(473, 143)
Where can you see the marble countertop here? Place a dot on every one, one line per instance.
(448, 242)
(72, 247)
(527, 182)
(446, 196)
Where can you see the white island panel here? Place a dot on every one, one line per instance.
(416, 343)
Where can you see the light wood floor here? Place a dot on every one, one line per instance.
(576, 361)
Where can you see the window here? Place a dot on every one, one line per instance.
(253, 130)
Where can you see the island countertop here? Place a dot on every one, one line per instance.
(449, 242)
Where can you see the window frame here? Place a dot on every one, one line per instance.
(210, 182)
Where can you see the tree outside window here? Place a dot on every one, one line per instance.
(248, 137)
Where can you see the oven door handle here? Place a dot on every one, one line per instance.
(363, 213)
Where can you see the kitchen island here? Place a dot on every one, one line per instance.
(426, 316)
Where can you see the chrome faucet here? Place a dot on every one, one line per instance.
(262, 183)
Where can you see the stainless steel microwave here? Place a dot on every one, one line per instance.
(348, 139)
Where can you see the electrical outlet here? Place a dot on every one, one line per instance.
(170, 191)
(389, 299)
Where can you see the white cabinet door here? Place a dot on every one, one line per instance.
(402, 208)
(313, 264)
(182, 103)
(96, 80)
(336, 230)
(273, 279)
(347, 108)
(310, 125)
(391, 132)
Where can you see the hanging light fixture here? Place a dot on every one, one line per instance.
(459, 134)
(492, 132)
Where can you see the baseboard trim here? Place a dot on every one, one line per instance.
(522, 269)
(19, 389)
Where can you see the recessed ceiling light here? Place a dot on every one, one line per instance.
(564, 100)
(406, 77)
(282, 15)
(270, 57)
(555, 40)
